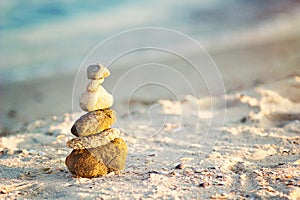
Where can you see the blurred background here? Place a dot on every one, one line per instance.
(43, 43)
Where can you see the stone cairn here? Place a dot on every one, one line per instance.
(97, 149)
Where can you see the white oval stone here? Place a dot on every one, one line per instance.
(100, 99)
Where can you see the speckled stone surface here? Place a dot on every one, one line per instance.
(95, 162)
(94, 122)
(94, 141)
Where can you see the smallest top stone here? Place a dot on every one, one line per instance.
(97, 72)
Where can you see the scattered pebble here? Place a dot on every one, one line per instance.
(204, 184)
(180, 166)
(33, 152)
(243, 120)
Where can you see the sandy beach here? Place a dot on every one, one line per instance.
(233, 138)
(253, 155)
(256, 156)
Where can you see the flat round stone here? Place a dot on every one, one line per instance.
(95, 140)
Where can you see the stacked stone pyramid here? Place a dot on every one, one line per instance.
(97, 149)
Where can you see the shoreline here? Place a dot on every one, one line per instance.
(53, 95)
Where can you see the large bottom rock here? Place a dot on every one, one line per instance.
(89, 163)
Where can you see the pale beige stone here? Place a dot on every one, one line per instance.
(94, 141)
(97, 72)
(94, 84)
(100, 99)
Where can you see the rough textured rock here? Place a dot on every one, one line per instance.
(94, 122)
(94, 141)
(97, 150)
(97, 72)
(82, 163)
(94, 84)
(99, 99)
(98, 161)
(113, 154)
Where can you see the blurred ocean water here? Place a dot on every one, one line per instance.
(19, 14)
(43, 38)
